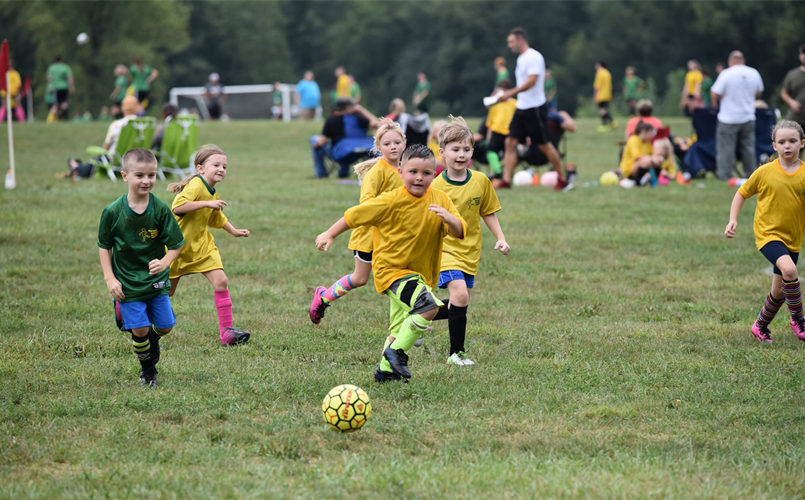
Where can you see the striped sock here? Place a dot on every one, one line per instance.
(338, 290)
(158, 331)
(142, 346)
(793, 296)
(769, 310)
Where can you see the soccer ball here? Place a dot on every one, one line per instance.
(522, 178)
(82, 38)
(549, 179)
(346, 408)
(609, 179)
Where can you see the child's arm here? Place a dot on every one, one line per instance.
(237, 233)
(156, 266)
(192, 206)
(325, 239)
(493, 224)
(735, 209)
(112, 284)
(454, 225)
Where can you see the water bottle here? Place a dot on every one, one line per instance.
(10, 183)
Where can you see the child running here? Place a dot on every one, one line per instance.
(411, 223)
(779, 222)
(133, 235)
(377, 175)
(197, 206)
(473, 194)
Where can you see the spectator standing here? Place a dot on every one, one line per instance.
(793, 92)
(121, 84)
(354, 89)
(602, 94)
(550, 90)
(707, 86)
(308, 96)
(60, 81)
(734, 92)
(422, 92)
(632, 85)
(214, 96)
(501, 71)
(141, 77)
(341, 83)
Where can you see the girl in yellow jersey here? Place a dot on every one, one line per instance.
(196, 207)
(377, 176)
(779, 225)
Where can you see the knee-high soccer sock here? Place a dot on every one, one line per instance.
(142, 347)
(769, 310)
(411, 329)
(443, 312)
(494, 161)
(606, 118)
(2, 114)
(224, 306)
(793, 296)
(337, 290)
(20, 114)
(52, 117)
(457, 323)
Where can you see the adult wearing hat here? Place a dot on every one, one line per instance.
(214, 96)
(793, 92)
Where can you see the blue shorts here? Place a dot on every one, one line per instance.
(773, 250)
(155, 311)
(446, 277)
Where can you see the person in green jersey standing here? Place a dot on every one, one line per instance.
(422, 92)
(117, 95)
(141, 77)
(632, 85)
(501, 71)
(60, 82)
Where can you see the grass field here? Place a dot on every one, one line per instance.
(614, 357)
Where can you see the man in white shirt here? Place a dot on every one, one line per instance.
(734, 92)
(531, 116)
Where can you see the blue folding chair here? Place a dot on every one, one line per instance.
(764, 123)
(702, 154)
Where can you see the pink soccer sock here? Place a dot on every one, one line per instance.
(20, 114)
(224, 306)
(2, 115)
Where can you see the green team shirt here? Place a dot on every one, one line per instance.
(140, 78)
(503, 74)
(121, 82)
(137, 239)
(59, 74)
(423, 87)
(707, 84)
(630, 85)
(550, 84)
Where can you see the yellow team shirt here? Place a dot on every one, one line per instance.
(500, 116)
(199, 253)
(342, 87)
(475, 198)
(380, 178)
(408, 237)
(603, 85)
(780, 212)
(634, 149)
(433, 145)
(692, 78)
(14, 83)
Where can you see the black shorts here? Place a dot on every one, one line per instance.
(214, 108)
(365, 257)
(603, 105)
(497, 142)
(530, 123)
(142, 96)
(62, 96)
(773, 250)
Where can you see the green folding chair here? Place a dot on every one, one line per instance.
(179, 144)
(137, 133)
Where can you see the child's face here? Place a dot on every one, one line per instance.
(787, 143)
(417, 175)
(646, 135)
(213, 170)
(457, 154)
(391, 146)
(629, 72)
(140, 178)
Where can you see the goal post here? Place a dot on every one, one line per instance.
(242, 101)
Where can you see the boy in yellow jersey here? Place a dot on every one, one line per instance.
(410, 225)
(473, 194)
(692, 90)
(341, 83)
(497, 128)
(602, 93)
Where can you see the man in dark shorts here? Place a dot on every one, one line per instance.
(214, 96)
(531, 114)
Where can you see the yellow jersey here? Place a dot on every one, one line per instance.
(342, 87)
(14, 83)
(693, 78)
(634, 149)
(603, 85)
(780, 212)
(500, 116)
(408, 236)
(433, 145)
(199, 254)
(380, 178)
(475, 198)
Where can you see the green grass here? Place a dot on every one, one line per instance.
(614, 358)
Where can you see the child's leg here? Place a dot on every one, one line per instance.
(790, 285)
(457, 314)
(774, 301)
(160, 314)
(174, 285)
(223, 305)
(358, 278)
(135, 319)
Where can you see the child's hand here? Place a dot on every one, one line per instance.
(115, 289)
(324, 241)
(729, 232)
(241, 233)
(440, 211)
(216, 204)
(503, 246)
(156, 266)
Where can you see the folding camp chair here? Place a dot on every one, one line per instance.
(179, 143)
(702, 153)
(137, 133)
(764, 123)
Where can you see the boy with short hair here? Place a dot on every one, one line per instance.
(134, 232)
(410, 225)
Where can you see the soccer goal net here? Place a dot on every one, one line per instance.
(243, 101)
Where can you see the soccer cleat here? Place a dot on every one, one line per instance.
(762, 333)
(318, 305)
(421, 339)
(563, 185)
(148, 376)
(459, 359)
(798, 325)
(153, 337)
(603, 128)
(398, 361)
(234, 336)
(501, 184)
(381, 376)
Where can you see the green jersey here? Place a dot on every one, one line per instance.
(503, 74)
(707, 84)
(59, 74)
(631, 86)
(423, 87)
(139, 77)
(137, 239)
(121, 82)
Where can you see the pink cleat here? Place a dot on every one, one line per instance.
(762, 333)
(798, 325)
(318, 306)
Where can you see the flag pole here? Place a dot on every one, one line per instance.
(10, 176)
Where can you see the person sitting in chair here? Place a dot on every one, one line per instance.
(344, 137)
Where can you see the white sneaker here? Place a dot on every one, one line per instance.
(458, 358)
(419, 341)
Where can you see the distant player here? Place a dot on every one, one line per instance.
(197, 206)
(141, 77)
(475, 198)
(498, 119)
(602, 95)
(378, 176)
(692, 90)
(119, 92)
(138, 239)
(779, 222)
(410, 225)
(61, 83)
(632, 85)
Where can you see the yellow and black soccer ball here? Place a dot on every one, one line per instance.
(346, 408)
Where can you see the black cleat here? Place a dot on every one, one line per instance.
(148, 376)
(381, 376)
(398, 361)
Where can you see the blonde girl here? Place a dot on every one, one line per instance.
(377, 175)
(198, 207)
